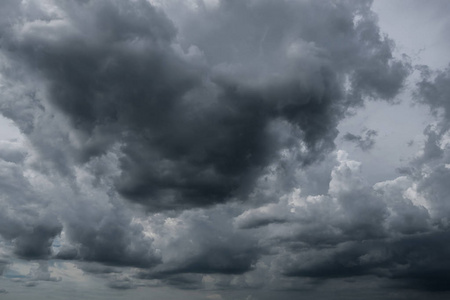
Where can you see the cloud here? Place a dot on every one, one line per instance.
(3, 266)
(47, 217)
(364, 143)
(203, 242)
(95, 268)
(413, 262)
(196, 113)
(433, 90)
(193, 146)
(354, 230)
(431, 166)
(25, 219)
(122, 283)
(11, 151)
(424, 265)
(42, 273)
(111, 239)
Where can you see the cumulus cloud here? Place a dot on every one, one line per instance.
(433, 90)
(203, 242)
(193, 145)
(353, 230)
(195, 112)
(431, 166)
(26, 219)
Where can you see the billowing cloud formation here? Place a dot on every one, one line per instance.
(353, 230)
(191, 145)
(198, 115)
(356, 231)
(24, 218)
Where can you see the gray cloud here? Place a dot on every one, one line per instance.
(414, 262)
(3, 265)
(184, 282)
(191, 147)
(24, 220)
(433, 90)
(204, 242)
(365, 141)
(44, 217)
(122, 283)
(42, 273)
(111, 239)
(194, 111)
(352, 231)
(104, 232)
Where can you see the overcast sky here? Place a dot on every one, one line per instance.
(224, 149)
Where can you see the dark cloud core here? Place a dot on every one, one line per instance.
(192, 145)
(194, 131)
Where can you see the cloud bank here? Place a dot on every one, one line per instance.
(191, 144)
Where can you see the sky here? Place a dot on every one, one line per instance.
(224, 149)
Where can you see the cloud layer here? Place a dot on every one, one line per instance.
(196, 118)
(191, 144)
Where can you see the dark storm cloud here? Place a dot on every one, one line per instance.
(403, 245)
(413, 262)
(434, 91)
(36, 241)
(365, 141)
(105, 234)
(355, 230)
(350, 210)
(395, 230)
(23, 218)
(34, 214)
(421, 262)
(430, 268)
(194, 112)
(204, 242)
(342, 261)
(234, 106)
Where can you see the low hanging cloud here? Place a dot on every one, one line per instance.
(193, 146)
(195, 113)
(24, 217)
(354, 230)
(395, 230)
